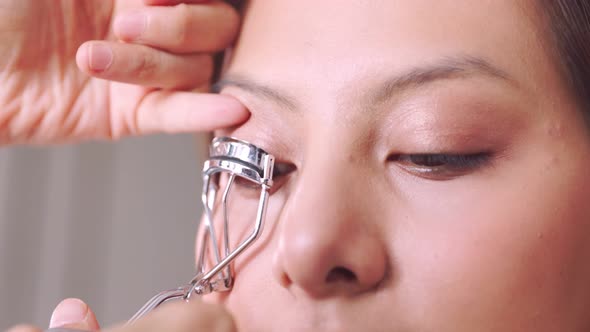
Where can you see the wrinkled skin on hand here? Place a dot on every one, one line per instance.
(45, 97)
(43, 92)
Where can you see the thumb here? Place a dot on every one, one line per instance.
(74, 314)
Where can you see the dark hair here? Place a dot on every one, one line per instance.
(569, 22)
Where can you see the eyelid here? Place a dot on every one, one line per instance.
(283, 169)
(452, 165)
(281, 173)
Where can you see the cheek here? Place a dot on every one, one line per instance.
(515, 251)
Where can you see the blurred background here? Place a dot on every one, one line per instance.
(109, 223)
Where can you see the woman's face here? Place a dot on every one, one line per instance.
(441, 179)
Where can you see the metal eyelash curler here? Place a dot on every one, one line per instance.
(236, 160)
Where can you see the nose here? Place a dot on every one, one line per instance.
(329, 239)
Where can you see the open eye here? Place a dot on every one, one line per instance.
(441, 166)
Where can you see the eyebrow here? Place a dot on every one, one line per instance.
(444, 69)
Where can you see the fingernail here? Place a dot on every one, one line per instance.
(68, 311)
(100, 57)
(130, 26)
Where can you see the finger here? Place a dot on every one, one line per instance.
(181, 29)
(143, 65)
(75, 314)
(185, 112)
(181, 317)
(24, 328)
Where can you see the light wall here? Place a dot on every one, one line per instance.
(109, 223)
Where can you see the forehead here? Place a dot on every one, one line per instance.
(333, 42)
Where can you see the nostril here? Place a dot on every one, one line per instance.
(340, 274)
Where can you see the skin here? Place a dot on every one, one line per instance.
(178, 317)
(360, 238)
(51, 94)
(53, 90)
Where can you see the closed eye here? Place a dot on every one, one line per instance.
(441, 166)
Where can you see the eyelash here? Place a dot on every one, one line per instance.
(441, 166)
(280, 172)
(434, 166)
(283, 169)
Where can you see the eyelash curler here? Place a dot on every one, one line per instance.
(237, 160)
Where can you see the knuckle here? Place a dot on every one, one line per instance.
(146, 65)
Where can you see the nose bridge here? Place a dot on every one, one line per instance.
(324, 175)
(329, 182)
(326, 226)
